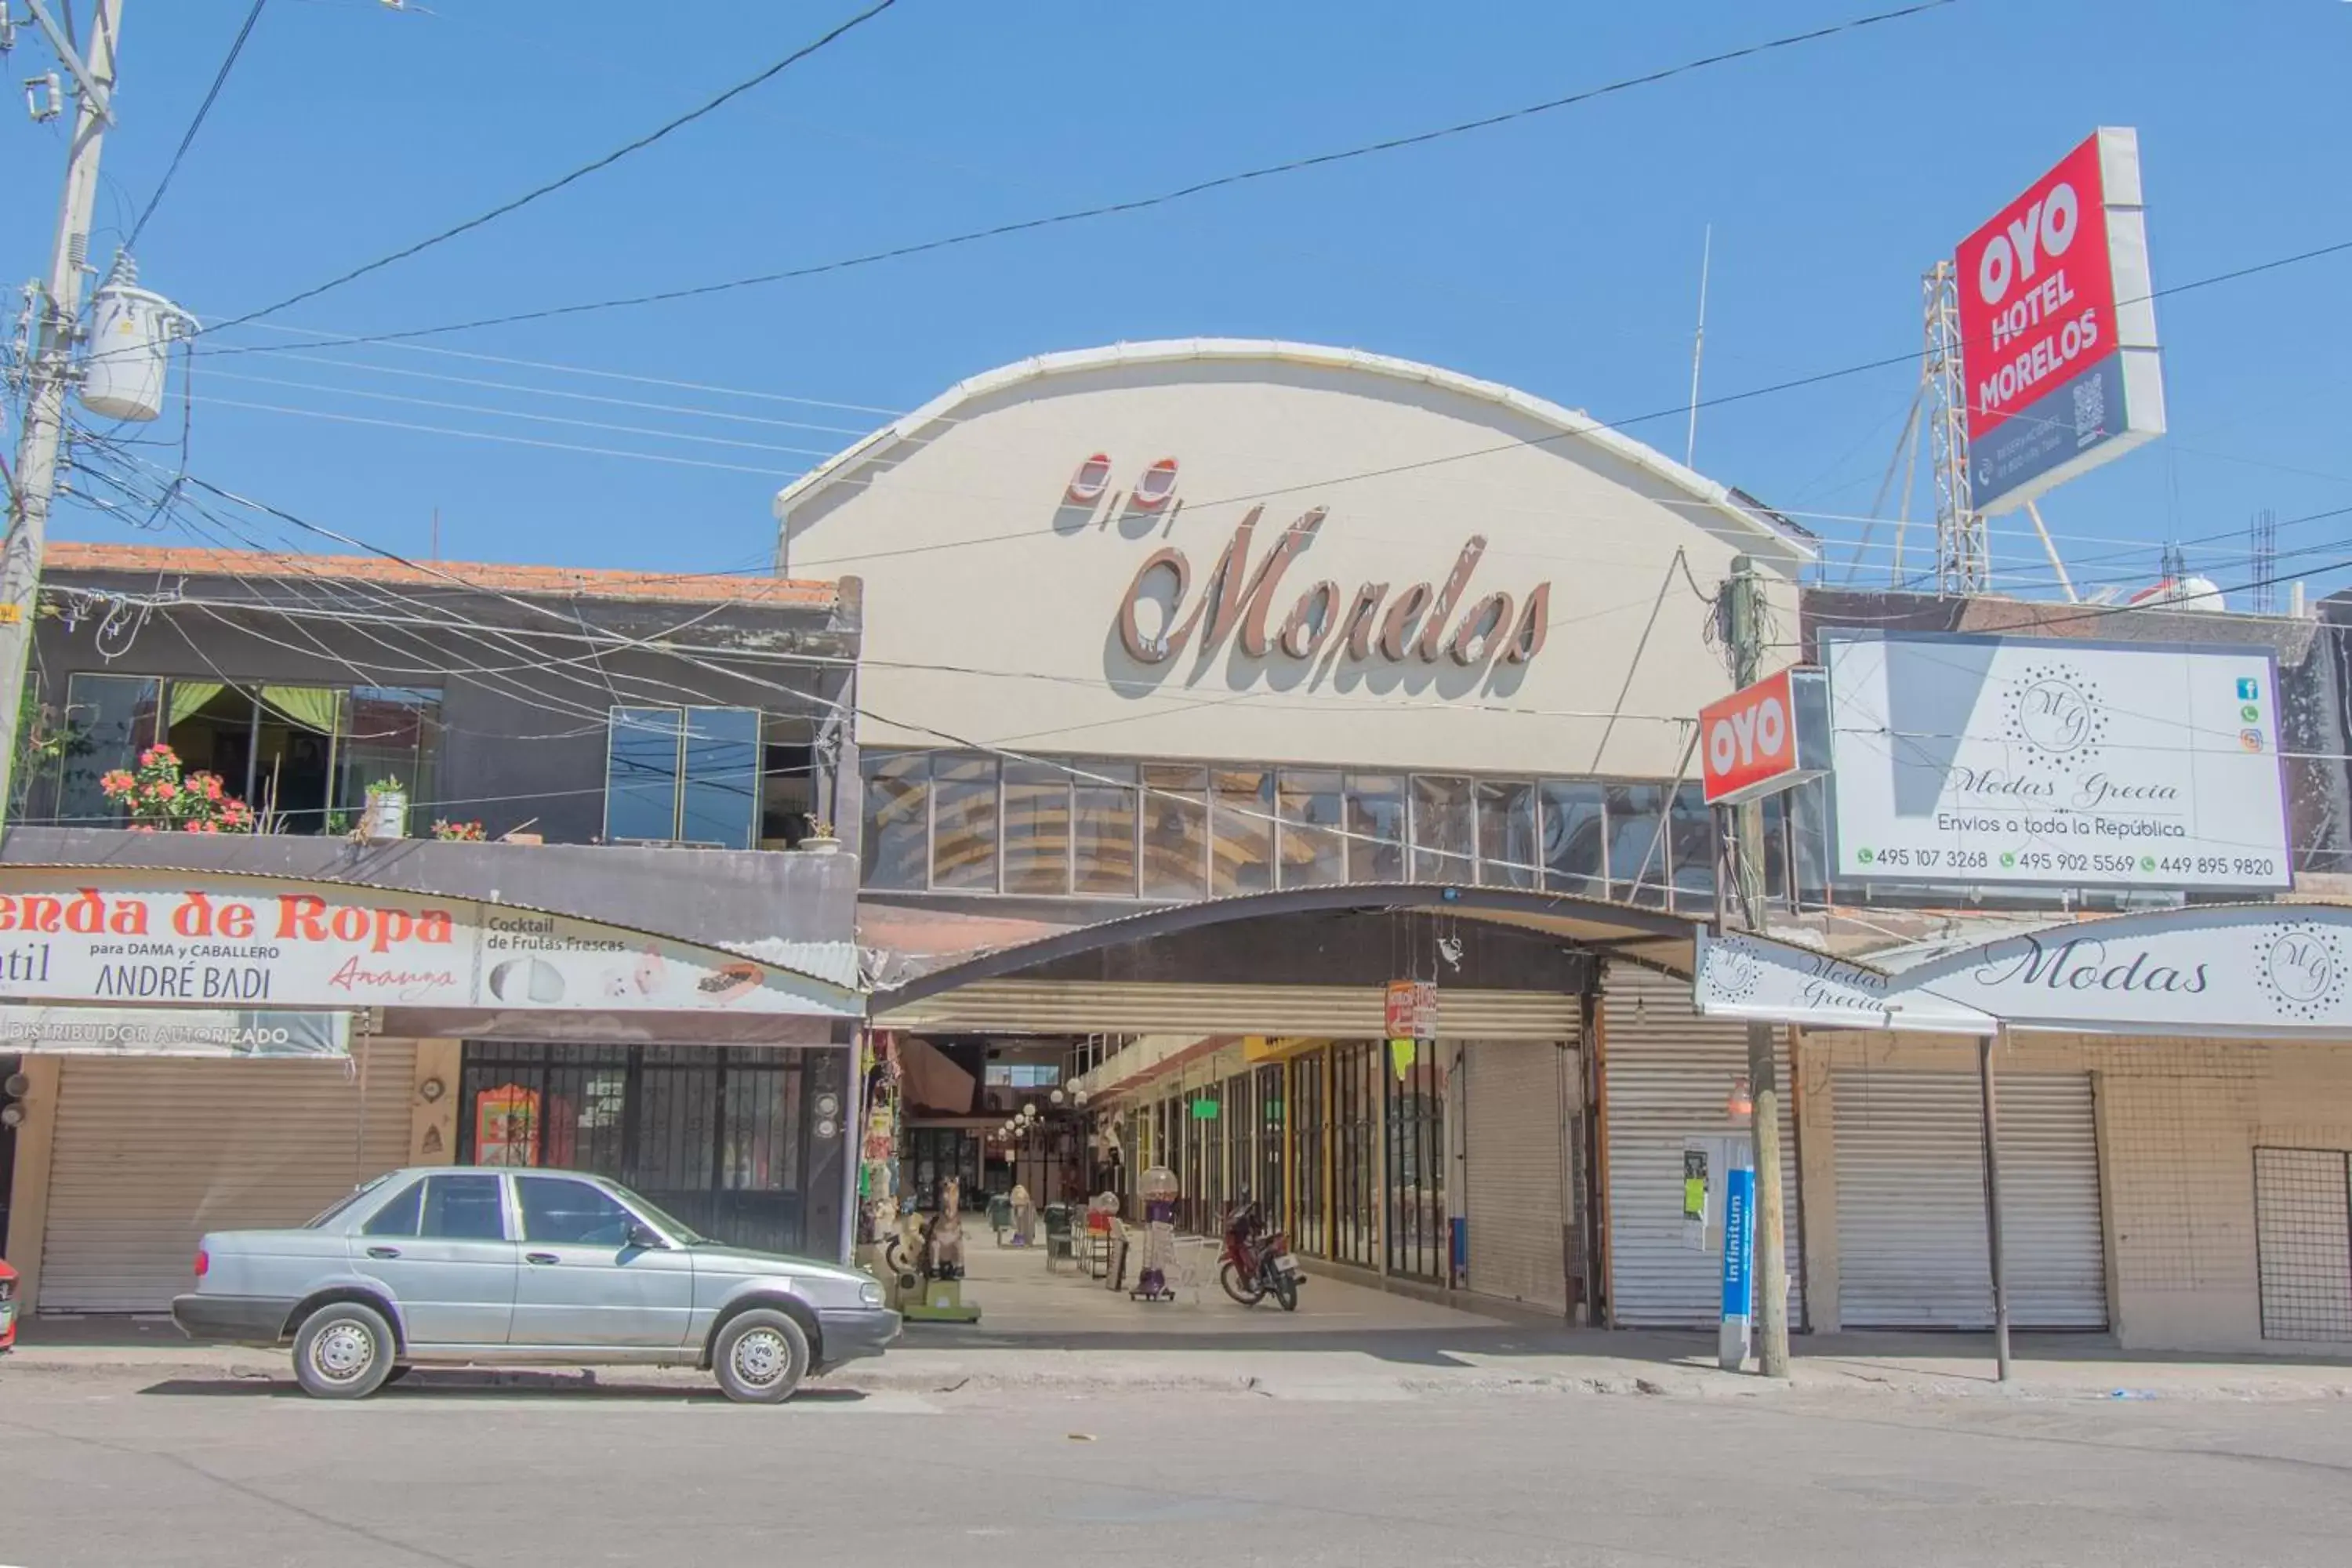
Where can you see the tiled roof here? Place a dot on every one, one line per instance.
(567, 582)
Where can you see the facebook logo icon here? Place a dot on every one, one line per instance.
(2248, 689)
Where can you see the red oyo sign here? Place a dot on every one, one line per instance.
(1763, 738)
(2037, 292)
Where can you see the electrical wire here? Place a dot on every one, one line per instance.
(582, 172)
(188, 137)
(1140, 203)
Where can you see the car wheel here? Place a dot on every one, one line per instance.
(760, 1357)
(343, 1350)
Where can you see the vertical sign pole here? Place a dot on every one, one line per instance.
(1738, 1255)
(1992, 1200)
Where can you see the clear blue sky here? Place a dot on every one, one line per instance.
(1558, 254)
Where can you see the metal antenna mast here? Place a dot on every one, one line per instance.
(2265, 563)
(1963, 560)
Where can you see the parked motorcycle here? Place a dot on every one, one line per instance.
(1257, 1262)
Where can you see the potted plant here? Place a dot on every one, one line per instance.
(386, 816)
(162, 798)
(819, 838)
(457, 832)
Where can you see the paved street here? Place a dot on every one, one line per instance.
(197, 1466)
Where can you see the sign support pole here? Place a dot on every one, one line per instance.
(1770, 1285)
(1992, 1199)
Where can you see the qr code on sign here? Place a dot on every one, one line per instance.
(2090, 408)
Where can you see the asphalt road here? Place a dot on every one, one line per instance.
(114, 1468)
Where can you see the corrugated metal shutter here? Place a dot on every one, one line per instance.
(1665, 1076)
(1140, 1007)
(1912, 1251)
(149, 1155)
(1519, 1097)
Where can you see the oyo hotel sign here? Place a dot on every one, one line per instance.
(1765, 738)
(1243, 596)
(2058, 329)
(205, 940)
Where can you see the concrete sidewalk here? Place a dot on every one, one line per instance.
(1056, 1331)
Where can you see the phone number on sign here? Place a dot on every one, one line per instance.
(2055, 862)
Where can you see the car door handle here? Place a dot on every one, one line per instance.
(383, 1252)
(540, 1258)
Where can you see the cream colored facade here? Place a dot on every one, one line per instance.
(994, 576)
(2178, 1124)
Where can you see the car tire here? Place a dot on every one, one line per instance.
(760, 1357)
(343, 1350)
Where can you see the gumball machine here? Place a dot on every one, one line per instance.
(1158, 1189)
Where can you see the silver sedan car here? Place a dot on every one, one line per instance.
(461, 1266)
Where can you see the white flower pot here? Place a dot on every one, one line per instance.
(820, 845)
(386, 816)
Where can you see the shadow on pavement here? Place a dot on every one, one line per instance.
(470, 1384)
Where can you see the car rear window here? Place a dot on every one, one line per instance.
(347, 1200)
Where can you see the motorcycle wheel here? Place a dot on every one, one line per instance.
(1248, 1292)
(1285, 1290)
(894, 1258)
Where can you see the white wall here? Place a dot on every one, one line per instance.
(976, 564)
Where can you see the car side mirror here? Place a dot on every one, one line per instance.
(642, 1235)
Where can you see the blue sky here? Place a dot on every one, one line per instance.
(1558, 254)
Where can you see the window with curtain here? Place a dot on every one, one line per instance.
(963, 822)
(897, 835)
(1314, 808)
(1175, 832)
(1377, 816)
(1241, 831)
(1444, 829)
(1575, 839)
(1104, 824)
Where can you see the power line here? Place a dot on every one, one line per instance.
(594, 166)
(1138, 203)
(235, 47)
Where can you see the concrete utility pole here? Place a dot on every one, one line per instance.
(55, 312)
(1745, 610)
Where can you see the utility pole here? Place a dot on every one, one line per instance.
(56, 314)
(1745, 612)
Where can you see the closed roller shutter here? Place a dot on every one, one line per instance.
(1912, 1250)
(1518, 1098)
(1148, 1007)
(1666, 1073)
(149, 1155)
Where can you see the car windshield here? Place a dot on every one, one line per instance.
(346, 1201)
(685, 1233)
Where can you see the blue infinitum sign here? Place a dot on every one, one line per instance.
(1738, 1239)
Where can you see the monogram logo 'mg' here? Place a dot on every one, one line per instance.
(2057, 715)
(1733, 972)
(2300, 969)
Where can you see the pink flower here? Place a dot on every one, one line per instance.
(117, 782)
(165, 789)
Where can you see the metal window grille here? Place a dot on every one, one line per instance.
(2303, 1230)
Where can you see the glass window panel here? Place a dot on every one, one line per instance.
(896, 837)
(1809, 803)
(554, 1210)
(1037, 827)
(1637, 842)
(641, 774)
(720, 802)
(462, 1208)
(1692, 835)
(1313, 809)
(1507, 833)
(109, 720)
(1575, 840)
(963, 822)
(1175, 832)
(1776, 848)
(390, 733)
(399, 1216)
(1444, 829)
(1104, 823)
(1241, 831)
(1376, 827)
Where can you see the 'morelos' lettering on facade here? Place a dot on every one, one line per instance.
(1238, 599)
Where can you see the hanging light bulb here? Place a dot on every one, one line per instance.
(1058, 1097)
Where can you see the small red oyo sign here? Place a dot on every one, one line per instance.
(1763, 738)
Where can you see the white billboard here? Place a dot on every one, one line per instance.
(2018, 760)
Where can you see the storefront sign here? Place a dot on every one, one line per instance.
(1411, 1010)
(1241, 600)
(172, 1032)
(217, 941)
(2239, 970)
(2057, 329)
(1743, 976)
(1765, 738)
(2012, 760)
